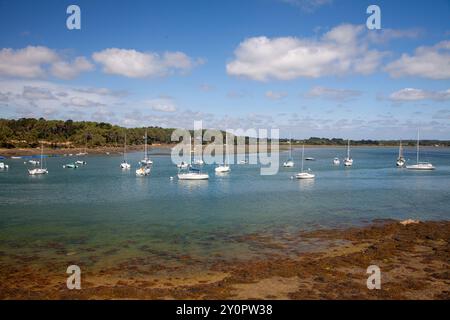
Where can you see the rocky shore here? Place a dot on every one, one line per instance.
(414, 259)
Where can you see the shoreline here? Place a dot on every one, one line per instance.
(414, 260)
(17, 152)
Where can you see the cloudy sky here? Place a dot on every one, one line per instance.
(308, 67)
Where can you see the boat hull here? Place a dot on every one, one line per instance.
(193, 176)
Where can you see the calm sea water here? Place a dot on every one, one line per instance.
(99, 206)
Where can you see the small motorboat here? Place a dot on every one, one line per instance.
(3, 166)
(310, 159)
(37, 171)
(222, 168)
(70, 166)
(305, 175)
(336, 161)
(33, 162)
(81, 162)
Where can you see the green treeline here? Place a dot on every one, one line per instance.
(29, 132)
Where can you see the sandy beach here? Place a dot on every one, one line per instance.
(414, 262)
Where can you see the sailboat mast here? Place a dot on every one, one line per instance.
(418, 139)
(400, 150)
(145, 146)
(348, 149)
(303, 155)
(125, 148)
(42, 154)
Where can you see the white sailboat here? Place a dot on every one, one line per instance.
(143, 171)
(224, 168)
(41, 170)
(146, 160)
(420, 165)
(348, 161)
(289, 163)
(304, 174)
(401, 161)
(125, 165)
(85, 149)
(192, 174)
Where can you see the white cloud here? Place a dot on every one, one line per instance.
(332, 94)
(342, 50)
(69, 70)
(135, 64)
(36, 62)
(28, 62)
(37, 93)
(411, 94)
(427, 62)
(162, 104)
(275, 95)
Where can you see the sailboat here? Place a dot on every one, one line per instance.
(401, 161)
(420, 165)
(41, 170)
(289, 163)
(224, 167)
(85, 149)
(303, 174)
(348, 161)
(146, 160)
(125, 165)
(192, 174)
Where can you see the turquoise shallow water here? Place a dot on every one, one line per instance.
(99, 206)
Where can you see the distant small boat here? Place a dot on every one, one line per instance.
(146, 161)
(81, 162)
(16, 157)
(199, 162)
(304, 174)
(401, 161)
(183, 165)
(3, 166)
(348, 161)
(224, 168)
(125, 165)
(33, 162)
(143, 171)
(310, 159)
(193, 174)
(70, 166)
(243, 162)
(336, 161)
(41, 170)
(420, 165)
(289, 163)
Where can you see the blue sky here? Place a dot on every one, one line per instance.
(308, 67)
